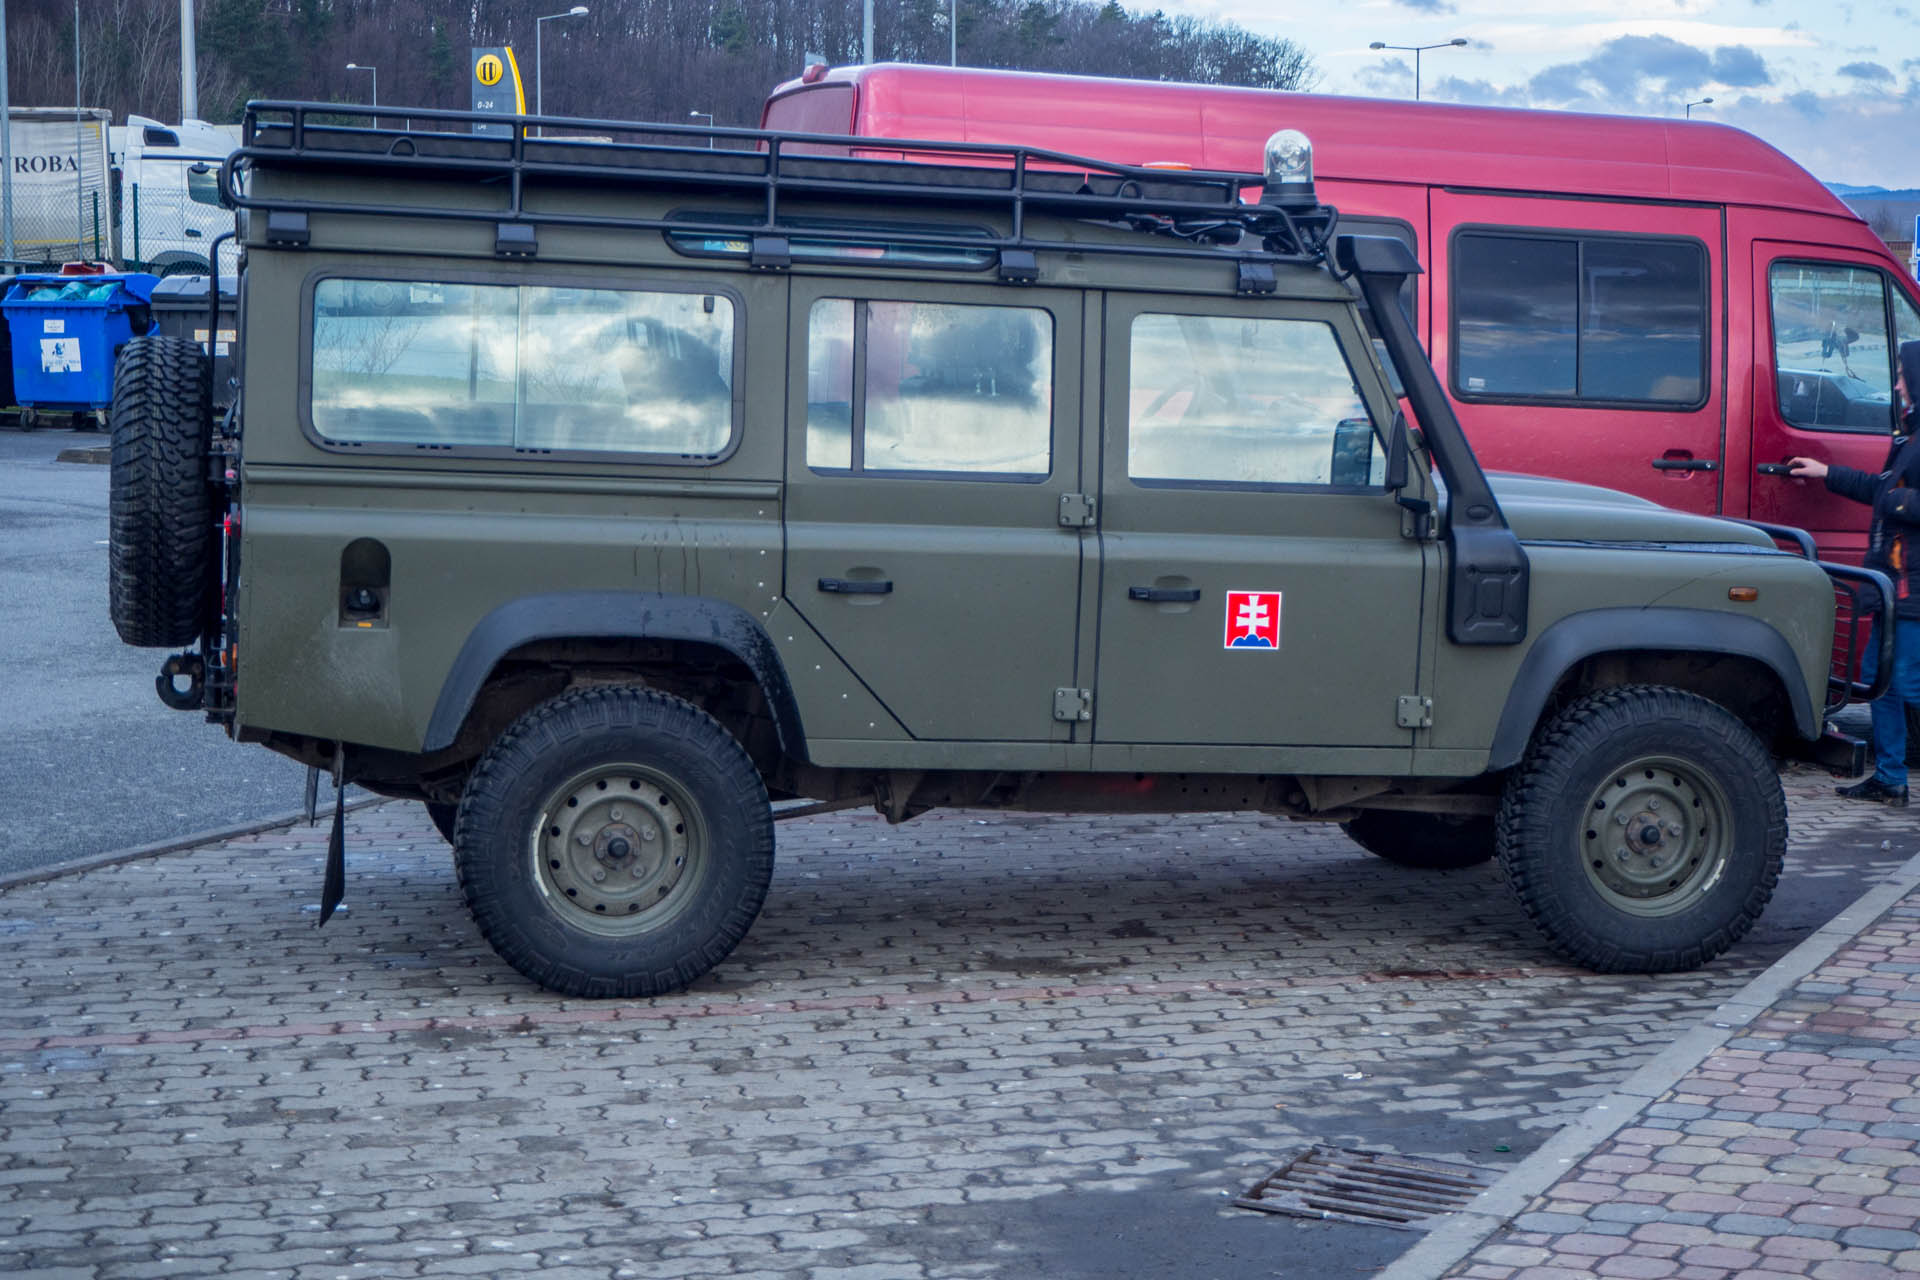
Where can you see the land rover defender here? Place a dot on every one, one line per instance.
(601, 493)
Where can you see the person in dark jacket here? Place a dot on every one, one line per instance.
(1893, 547)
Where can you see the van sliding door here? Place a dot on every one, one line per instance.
(1587, 341)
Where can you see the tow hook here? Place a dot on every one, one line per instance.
(187, 667)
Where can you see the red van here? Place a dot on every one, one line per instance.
(1660, 306)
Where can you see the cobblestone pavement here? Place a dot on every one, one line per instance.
(970, 1046)
(1789, 1151)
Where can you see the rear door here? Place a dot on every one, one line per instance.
(1826, 323)
(1584, 340)
(1255, 586)
(932, 434)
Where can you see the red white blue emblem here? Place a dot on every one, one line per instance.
(1253, 620)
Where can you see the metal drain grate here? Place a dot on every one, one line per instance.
(1367, 1186)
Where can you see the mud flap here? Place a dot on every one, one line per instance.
(333, 887)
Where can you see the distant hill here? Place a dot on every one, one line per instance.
(1849, 193)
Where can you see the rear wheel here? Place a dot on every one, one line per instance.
(1644, 832)
(615, 842)
(1424, 841)
(160, 505)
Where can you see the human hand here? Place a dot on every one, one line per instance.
(1806, 468)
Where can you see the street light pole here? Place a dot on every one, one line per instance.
(1698, 102)
(539, 98)
(953, 33)
(1416, 50)
(708, 115)
(360, 66)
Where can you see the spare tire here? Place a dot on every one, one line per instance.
(160, 505)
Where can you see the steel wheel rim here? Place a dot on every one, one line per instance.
(619, 849)
(1657, 836)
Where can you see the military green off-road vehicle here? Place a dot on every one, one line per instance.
(595, 491)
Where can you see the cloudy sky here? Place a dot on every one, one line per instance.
(1833, 83)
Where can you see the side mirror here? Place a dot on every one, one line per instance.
(1352, 452)
(1399, 446)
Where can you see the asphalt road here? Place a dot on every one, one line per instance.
(92, 762)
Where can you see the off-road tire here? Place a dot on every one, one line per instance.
(1644, 831)
(641, 789)
(1424, 841)
(160, 507)
(443, 817)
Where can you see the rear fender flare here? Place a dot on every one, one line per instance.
(604, 615)
(1583, 635)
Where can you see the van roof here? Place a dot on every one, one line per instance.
(1355, 139)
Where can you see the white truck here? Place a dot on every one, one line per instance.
(169, 208)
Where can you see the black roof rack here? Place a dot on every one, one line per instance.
(1202, 207)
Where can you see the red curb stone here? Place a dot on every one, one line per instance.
(1589, 1245)
(1715, 1255)
(1634, 1268)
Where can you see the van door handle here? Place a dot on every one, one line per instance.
(1685, 464)
(193, 233)
(857, 586)
(1164, 595)
(1775, 469)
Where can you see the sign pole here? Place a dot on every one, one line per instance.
(6, 146)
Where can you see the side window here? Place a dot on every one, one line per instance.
(530, 368)
(929, 388)
(1220, 400)
(1580, 318)
(203, 183)
(1831, 358)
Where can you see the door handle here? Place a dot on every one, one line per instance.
(1685, 464)
(857, 586)
(1774, 469)
(1164, 595)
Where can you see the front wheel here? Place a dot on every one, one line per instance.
(1644, 832)
(615, 842)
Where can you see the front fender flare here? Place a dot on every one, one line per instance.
(1582, 635)
(606, 615)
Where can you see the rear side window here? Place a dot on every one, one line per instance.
(1832, 362)
(1229, 401)
(1611, 320)
(529, 368)
(929, 388)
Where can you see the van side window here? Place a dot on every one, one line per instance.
(1608, 319)
(929, 388)
(1227, 400)
(1831, 358)
(529, 368)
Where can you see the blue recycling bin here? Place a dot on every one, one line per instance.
(67, 330)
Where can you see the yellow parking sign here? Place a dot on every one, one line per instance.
(496, 89)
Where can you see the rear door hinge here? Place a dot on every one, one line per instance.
(1073, 705)
(1077, 511)
(1411, 711)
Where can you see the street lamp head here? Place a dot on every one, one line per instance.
(578, 11)
(1378, 44)
(1459, 42)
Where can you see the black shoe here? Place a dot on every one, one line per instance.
(1876, 791)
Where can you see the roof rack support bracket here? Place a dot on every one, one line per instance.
(770, 253)
(514, 240)
(1256, 278)
(287, 228)
(1019, 266)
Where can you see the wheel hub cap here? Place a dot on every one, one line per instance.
(614, 844)
(1657, 836)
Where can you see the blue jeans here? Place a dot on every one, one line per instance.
(1889, 710)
